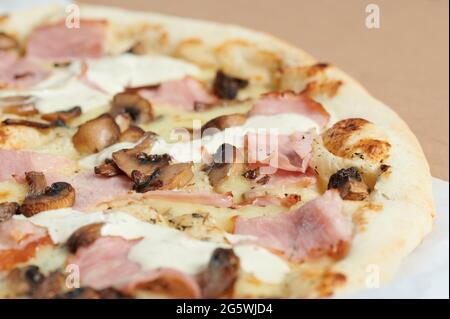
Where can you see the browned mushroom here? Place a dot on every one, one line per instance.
(7, 211)
(108, 169)
(84, 236)
(124, 121)
(129, 160)
(221, 273)
(167, 177)
(132, 134)
(228, 161)
(33, 124)
(63, 116)
(349, 183)
(7, 42)
(222, 122)
(22, 105)
(97, 134)
(227, 87)
(41, 198)
(24, 281)
(140, 109)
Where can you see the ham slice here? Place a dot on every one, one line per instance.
(105, 264)
(92, 190)
(182, 94)
(285, 152)
(18, 72)
(19, 241)
(56, 42)
(289, 102)
(16, 163)
(316, 229)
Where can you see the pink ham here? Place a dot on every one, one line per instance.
(200, 198)
(17, 234)
(182, 94)
(18, 72)
(92, 190)
(289, 102)
(57, 42)
(286, 152)
(317, 228)
(105, 264)
(16, 163)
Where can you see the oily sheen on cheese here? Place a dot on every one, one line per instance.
(161, 246)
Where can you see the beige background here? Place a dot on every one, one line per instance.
(404, 63)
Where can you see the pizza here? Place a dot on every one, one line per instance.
(148, 156)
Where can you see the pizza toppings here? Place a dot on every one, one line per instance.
(97, 134)
(18, 72)
(227, 161)
(227, 87)
(57, 42)
(222, 122)
(139, 109)
(132, 134)
(84, 237)
(166, 177)
(221, 273)
(21, 105)
(130, 160)
(33, 124)
(7, 211)
(182, 94)
(316, 229)
(289, 102)
(108, 169)
(63, 116)
(7, 42)
(200, 198)
(349, 183)
(41, 198)
(17, 163)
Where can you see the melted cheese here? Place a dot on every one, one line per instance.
(190, 151)
(161, 246)
(129, 70)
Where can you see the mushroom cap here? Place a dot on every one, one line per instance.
(140, 109)
(97, 134)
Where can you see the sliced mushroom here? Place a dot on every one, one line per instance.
(167, 177)
(97, 134)
(227, 87)
(129, 160)
(132, 134)
(22, 105)
(140, 110)
(221, 274)
(33, 124)
(63, 116)
(224, 121)
(349, 183)
(7, 42)
(228, 161)
(41, 198)
(7, 211)
(24, 281)
(84, 236)
(124, 121)
(108, 169)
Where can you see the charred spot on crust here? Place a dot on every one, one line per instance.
(349, 183)
(227, 87)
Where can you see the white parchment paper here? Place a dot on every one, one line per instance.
(424, 274)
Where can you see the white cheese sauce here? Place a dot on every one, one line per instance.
(190, 151)
(161, 246)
